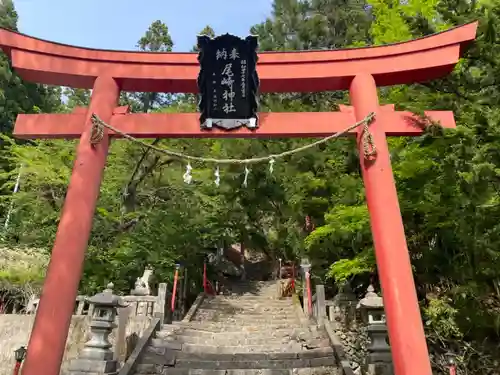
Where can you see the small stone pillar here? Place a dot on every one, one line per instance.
(96, 357)
(320, 305)
(379, 358)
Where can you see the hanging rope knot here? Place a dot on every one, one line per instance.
(369, 148)
(97, 131)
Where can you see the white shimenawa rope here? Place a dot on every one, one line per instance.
(98, 125)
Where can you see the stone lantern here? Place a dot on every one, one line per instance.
(372, 307)
(379, 359)
(305, 264)
(96, 357)
(20, 354)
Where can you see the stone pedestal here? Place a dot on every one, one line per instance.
(141, 287)
(97, 357)
(83, 366)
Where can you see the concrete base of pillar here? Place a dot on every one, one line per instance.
(92, 367)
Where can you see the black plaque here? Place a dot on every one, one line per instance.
(228, 81)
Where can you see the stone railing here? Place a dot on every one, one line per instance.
(109, 318)
(130, 321)
(357, 330)
(137, 305)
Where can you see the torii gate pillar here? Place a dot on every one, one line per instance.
(48, 337)
(406, 332)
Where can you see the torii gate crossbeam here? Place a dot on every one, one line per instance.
(360, 70)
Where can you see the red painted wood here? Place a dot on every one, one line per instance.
(406, 333)
(174, 290)
(48, 337)
(309, 294)
(186, 125)
(17, 367)
(307, 71)
(205, 277)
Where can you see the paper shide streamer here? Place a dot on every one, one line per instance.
(187, 176)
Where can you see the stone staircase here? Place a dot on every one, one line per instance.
(248, 332)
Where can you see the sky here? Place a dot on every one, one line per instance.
(118, 24)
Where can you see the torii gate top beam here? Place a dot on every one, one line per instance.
(417, 60)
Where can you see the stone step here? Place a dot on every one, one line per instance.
(251, 288)
(168, 356)
(249, 320)
(226, 349)
(243, 364)
(248, 311)
(264, 316)
(160, 370)
(290, 332)
(249, 304)
(248, 298)
(220, 349)
(232, 327)
(232, 341)
(248, 314)
(305, 338)
(291, 346)
(246, 305)
(273, 290)
(254, 309)
(245, 320)
(305, 354)
(252, 364)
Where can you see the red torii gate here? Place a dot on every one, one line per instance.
(360, 70)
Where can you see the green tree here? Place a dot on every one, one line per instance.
(17, 96)
(446, 183)
(156, 39)
(76, 97)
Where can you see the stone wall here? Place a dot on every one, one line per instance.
(354, 339)
(15, 331)
(348, 318)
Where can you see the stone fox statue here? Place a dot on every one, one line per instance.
(142, 287)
